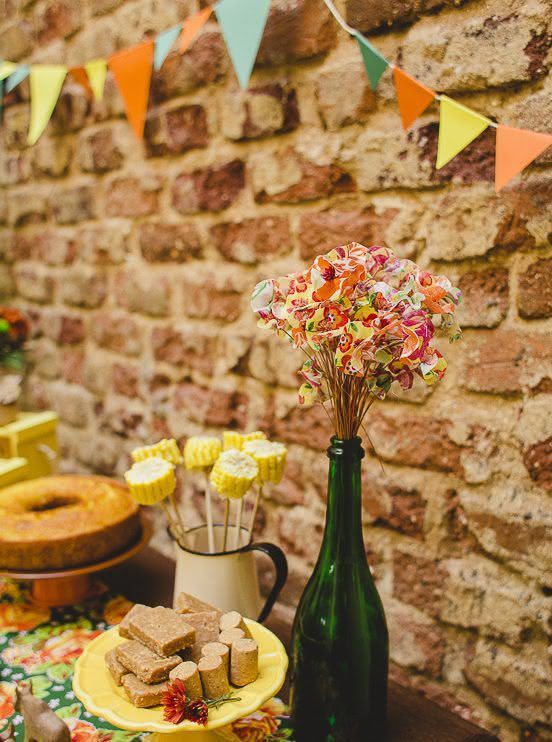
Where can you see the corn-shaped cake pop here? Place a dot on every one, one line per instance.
(270, 458)
(151, 480)
(256, 435)
(231, 439)
(233, 474)
(165, 449)
(201, 452)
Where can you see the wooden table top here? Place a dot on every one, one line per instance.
(148, 578)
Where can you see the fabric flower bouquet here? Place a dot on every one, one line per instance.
(231, 467)
(364, 319)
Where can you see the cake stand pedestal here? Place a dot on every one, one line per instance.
(96, 689)
(70, 586)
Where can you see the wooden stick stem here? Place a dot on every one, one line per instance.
(226, 519)
(239, 511)
(209, 516)
(255, 509)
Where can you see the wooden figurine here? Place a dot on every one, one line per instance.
(41, 723)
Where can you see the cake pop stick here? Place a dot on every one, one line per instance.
(209, 516)
(254, 513)
(200, 453)
(226, 520)
(232, 475)
(239, 511)
(270, 458)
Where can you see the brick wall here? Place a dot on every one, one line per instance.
(136, 262)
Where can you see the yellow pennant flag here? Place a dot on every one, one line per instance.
(458, 126)
(6, 68)
(46, 83)
(97, 71)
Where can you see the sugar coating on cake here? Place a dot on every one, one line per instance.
(162, 630)
(124, 625)
(117, 670)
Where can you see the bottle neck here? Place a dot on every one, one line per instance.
(343, 532)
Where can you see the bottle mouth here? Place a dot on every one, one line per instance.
(344, 447)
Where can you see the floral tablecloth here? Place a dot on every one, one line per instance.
(41, 645)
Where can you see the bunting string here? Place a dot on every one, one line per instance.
(242, 24)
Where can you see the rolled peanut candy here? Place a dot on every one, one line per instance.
(244, 662)
(230, 636)
(218, 649)
(213, 676)
(189, 674)
(234, 620)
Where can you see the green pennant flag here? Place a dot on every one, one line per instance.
(375, 63)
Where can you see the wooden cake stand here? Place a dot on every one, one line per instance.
(71, 586)
(96, 689)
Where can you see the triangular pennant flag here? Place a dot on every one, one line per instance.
(458, 126)
(375, 63)
(242, 23)
(163, 44)
(515, 149)
(46, 84)
(6, 69)
(192, 27)
(131, 69)
(97, 71)
(78, 74)
(413, 97)
(20, 74)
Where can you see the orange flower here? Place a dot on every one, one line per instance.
(116, 609)
(18, 617)
(7, 699)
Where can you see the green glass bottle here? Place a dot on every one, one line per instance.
(340, 642)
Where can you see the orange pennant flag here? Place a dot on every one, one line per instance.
(131, 69)
(412, 96)
(78, 74)
(515, 149)
(192, 27)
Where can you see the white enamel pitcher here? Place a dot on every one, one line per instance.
(227, 580)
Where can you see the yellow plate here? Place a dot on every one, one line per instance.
(94, 686)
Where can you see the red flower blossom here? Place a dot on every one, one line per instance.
(175, 702)
(197, 711)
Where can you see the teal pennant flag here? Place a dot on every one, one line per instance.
(374, 62)
(242, 23)
(20, 74)
(163, 44)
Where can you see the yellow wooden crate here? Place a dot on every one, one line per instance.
(13, 470)
(32, 437)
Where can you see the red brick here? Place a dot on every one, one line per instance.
(316, 181)
(117, 332)
(475, 164)
(212, 189)
(259, 112)
(534, 296)
(27, 207)
(103, 244)
(57, 19)
(56, 247)
(204, 62)
(71, 330)
(75, 204)
(122, 419)
(52, 156)
(72, 109)
(306, 426)
(15, 169)
(209, 301)
(323, 230)
(34, 284)
(485, 297)
(252, 240)
(16, 40)
(165, 242)
(395, 507)
(99, 152)
(506, 361)
(418, 581)
(83, 287)
(143, 292)
(211, 406)
(184, 349)
(414, 440)
(285, 38)
(72, 362)
(368, 15)
(177, 130)
(538, 461)
(126, 380)
(415, 641)
(131, 196)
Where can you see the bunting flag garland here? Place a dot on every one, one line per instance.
(242, 23)
(46, 82)
(163, 44)
(131, 69)
(192, 27)
(413, 97)
(515, 149)
(97, 72)
(458, 127)
(20, 74)
(375, 63)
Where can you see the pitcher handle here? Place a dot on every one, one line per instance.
(280, 563)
